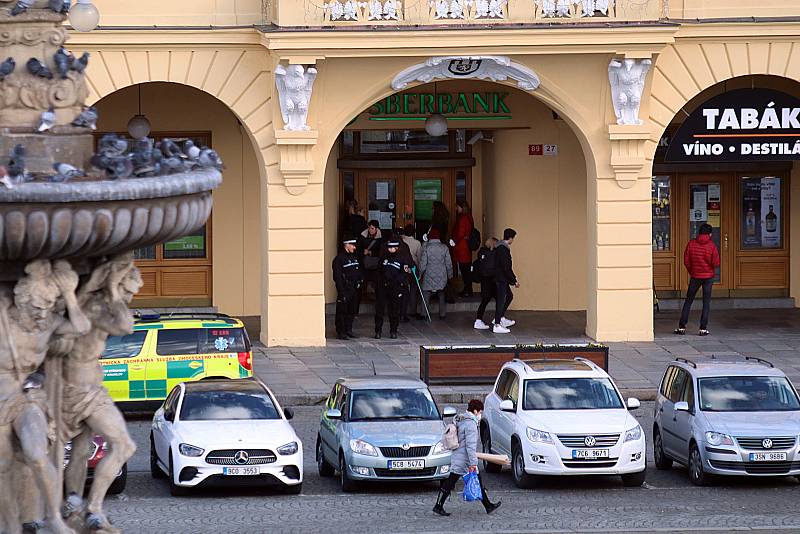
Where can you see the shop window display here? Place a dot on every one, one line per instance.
(660, 200)
(761, 212)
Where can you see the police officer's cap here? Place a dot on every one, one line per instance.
(393, 243)
(349, 239)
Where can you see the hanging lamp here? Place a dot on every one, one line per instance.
(436, 124)
(139, 125)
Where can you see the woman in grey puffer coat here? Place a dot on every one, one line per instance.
(465, 457)
(436, 267)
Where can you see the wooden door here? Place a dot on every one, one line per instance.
(708, 199)
(381, 192)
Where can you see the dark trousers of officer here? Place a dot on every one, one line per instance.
(449, 484)
(391, 297)
(346, 311)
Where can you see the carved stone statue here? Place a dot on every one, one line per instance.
(87, 408)
(294, 92)
(627, 78)
(27, 322)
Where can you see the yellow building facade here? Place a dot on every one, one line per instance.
(602, 205)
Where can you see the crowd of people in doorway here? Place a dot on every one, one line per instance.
(404, 273)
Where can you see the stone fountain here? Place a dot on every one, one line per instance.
(69, 220)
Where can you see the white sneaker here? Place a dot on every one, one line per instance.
(499, 329)
(507, 322)
(480, 325)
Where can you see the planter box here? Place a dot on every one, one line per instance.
(480, 364)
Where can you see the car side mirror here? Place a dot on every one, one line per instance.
(682, 406)
(333, 413)
(633, 403)
(169, 415)
(449, 411)
(288, 413)
(507, 406)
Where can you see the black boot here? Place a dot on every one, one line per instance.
(439, 508)
(377, 334)
(489, 505)
(393, 335)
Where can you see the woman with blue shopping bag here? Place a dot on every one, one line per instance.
(464, 462)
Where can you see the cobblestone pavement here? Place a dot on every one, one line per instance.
(667, 503)
(309, 372)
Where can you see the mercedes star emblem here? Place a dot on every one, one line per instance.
(590, 441)
(767, 443)
(241, 457)
(405, 446)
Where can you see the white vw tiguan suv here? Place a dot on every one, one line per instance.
(562, 417)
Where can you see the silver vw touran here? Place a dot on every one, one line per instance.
(727, 417)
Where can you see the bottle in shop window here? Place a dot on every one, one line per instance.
(666, 241)
(655, 244)
(771, 220)
(750, 221)
(666, 207)
(659, 242)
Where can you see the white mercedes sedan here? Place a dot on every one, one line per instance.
(225, 432)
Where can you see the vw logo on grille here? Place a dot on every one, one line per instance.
(590, 441)
(766, 443)
(405, 446)
(241, 457)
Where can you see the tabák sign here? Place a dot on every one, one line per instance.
(740, 125)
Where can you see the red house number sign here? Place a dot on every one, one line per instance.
(542, 150)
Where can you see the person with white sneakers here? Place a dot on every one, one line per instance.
(504, 279)
(483, 270)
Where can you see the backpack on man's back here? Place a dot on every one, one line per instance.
(484, 266)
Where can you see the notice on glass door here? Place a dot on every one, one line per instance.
(386, 220)
(381, 190)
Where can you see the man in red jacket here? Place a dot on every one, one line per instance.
(701, 258)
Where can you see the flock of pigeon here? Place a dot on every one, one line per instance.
(116, 156)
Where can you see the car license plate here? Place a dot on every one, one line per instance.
(240, 471)
(589, 453)
(406, 464)
(767, 456)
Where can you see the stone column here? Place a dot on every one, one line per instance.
(620, 304)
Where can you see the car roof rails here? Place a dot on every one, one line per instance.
(759, 360)
(686, 361)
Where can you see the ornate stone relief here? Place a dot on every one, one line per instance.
(494, 68)
(574, 8)
(627, 78)
(371, 10)
(295, 84)
(468, 9)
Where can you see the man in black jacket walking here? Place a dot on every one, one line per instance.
(504, 279)
(348, 277)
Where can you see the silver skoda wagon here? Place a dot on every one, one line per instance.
(727, 417)
(382, 428)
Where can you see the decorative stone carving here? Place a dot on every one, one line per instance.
(494, 68)
(574, 8)
(628, 157)
(297, 163)
(627, 78)
(295, 84)
(467, 9)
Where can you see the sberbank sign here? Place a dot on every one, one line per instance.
(456, 106)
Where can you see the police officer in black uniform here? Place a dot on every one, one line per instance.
(392, 287)
(348, 276)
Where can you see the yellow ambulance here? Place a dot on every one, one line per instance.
(167, 349)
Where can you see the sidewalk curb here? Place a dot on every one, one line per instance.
(445, 397)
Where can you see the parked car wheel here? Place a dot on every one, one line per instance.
(348, 484)
(634, 480)
(174, 489)
(486, 441)
(325, 469)
(521, 478)
(697, 474)
(155, 470)
(118, 486)
(663, 462)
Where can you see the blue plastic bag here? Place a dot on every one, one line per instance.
(472, 487)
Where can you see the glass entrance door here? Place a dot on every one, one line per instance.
(382, 197)
(707, 202)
